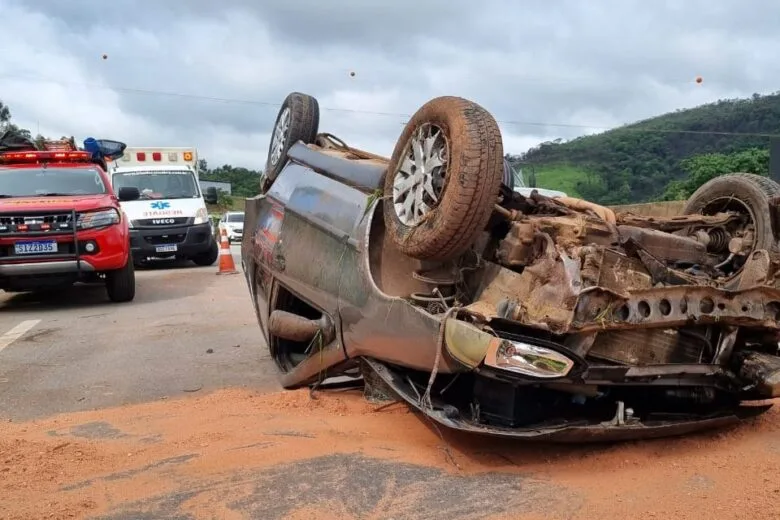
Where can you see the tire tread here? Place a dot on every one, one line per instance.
(472, 189)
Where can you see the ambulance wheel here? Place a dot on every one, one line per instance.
(207, 258)
(140, 262)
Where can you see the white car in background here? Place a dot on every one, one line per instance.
(233, 224)
(516, 181)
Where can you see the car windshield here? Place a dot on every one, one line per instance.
(518, 177)
(235, 217)
(50, 181)
(159, 185)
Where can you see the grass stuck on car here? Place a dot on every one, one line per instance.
(503, 310)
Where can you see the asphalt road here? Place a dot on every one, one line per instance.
(188, 330)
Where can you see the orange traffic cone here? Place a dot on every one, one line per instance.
(226, 264)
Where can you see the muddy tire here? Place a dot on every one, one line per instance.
(744, 191)
(120, 283)
(298, 120)
(459, 145)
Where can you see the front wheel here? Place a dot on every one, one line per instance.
(443, 179)
(120, 283)
(207, 258)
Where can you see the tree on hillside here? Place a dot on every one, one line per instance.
(5, 114)
(203, 167)
(637, 162)
(244, 182)
(6, 124)
(702, 168)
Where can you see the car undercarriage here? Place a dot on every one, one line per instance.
(516, 315)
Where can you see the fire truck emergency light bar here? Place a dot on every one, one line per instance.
(39, 157)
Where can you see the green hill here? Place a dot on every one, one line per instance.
(244, 182)
(640, 162)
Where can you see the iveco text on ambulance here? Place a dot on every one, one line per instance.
(170, 219)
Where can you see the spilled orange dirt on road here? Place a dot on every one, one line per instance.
(239, 454)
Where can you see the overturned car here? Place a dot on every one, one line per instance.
(497, 312)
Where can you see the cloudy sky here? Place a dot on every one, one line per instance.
(212, 73)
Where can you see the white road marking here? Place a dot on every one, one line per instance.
(17, 332)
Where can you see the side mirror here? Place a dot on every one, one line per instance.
(210, 195)
(127, 193)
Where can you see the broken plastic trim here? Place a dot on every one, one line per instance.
(466, 343)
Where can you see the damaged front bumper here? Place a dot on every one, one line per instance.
(621, 427)
(749, 374)
(508, 371)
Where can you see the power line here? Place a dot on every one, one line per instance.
(186, 95)
(200, 97)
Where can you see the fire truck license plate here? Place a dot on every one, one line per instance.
(33, 248)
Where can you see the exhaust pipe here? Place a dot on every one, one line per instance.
(293, 327)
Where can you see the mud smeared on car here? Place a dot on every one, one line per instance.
(503, 312)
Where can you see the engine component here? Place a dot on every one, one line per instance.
(521, 246)
(762, 370)
(667, 247)
(676, 223)
(612, 270)
(517, 248)
(648, 347)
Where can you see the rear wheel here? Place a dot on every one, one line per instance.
(207, 258)
(120, 283)
(298, 120)
(748, 195)
(443, 179)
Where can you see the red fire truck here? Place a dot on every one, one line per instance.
(60, 220)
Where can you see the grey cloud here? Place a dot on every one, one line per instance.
(530, 61)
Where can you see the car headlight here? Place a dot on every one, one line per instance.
(529, 360)
(201, 216)
(96, 219)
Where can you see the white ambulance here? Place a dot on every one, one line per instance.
(170, 219)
